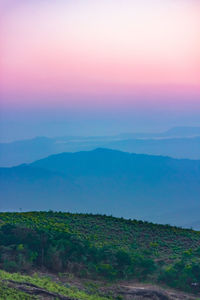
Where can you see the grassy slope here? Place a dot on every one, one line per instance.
(164, 242)
(42, 282)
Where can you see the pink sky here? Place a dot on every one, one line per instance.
(110, 52)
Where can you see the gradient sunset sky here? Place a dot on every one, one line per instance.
(98, 67)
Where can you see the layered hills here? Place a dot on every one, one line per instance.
(154, 188)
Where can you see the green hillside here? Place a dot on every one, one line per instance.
(104, 247)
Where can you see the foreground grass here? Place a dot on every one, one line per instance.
(42, 282)
(7, 293)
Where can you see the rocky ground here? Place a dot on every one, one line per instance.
(143, 292)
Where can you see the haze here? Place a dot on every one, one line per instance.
(98, 67)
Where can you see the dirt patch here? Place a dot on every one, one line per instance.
(144, 292)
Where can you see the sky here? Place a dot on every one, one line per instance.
(98, 67)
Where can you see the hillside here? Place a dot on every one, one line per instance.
(111, 231)
(146, 187)
(101, 247)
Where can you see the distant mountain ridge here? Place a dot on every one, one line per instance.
(178, 142)
(178, 131)
(105, 181)
(184, 131)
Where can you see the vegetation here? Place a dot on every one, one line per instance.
(44, 283)
(7, 293)
(101, 247)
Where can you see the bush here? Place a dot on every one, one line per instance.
(183, 275)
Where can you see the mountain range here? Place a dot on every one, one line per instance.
(153, 188)
(179, 142)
